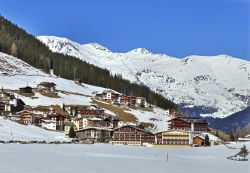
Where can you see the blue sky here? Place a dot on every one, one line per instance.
(175, 27)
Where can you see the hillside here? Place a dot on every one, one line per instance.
(15, 73)
(215, 86)
(18, 43)
(13, 131)
(232, 122)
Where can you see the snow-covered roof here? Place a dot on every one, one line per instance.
(247, 136)
(96, 128)
(95, 119)
(48, 121)
(174, 130)
(135, 127)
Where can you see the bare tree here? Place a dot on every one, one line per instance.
(13, 49)
(75, 70)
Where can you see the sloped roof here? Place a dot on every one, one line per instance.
(135, 127)
(96, 128)
(69, 123)
(47, 84)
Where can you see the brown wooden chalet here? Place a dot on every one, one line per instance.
(83, 111)
(123, 100)
(90, 112)
(48, 113)
(94, 134)
(9, 104)
(97, 122)
(25, 90)
(132, 135)
(131, 101)
(112, 97)
(59, 118)
(199, 140)
(38, 110)
(47, 87)
(5, 107)
(78, 81)
(108, 96)
(26, 117)
(172, 113)
(73, 109)
(184, 123)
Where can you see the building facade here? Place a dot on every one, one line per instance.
(132, 135)
(173, 137)
(94, 134)
(185, 123)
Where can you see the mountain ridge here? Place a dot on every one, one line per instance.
(220, 82)
(43, 39)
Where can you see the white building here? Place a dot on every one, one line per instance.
(49, 124)
(141, 101)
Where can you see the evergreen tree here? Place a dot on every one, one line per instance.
(76, 112)
(243, 152)
(71, 132)
(207, 143)
(63, 108)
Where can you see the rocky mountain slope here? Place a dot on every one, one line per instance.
(239, 119)
(212, 86)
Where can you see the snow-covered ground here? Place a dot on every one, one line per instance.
(123, 159)
(13, 131)
(218, 82)
(157, 116)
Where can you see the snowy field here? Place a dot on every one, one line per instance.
(13, 131)
(123, 159)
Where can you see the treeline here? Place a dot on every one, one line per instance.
(233, 135)
(17, 42)
(240, 132)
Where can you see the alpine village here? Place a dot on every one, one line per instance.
(105, 120)
(90, 123)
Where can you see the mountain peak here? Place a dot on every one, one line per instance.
(97, 46)
(52, 39)
(142, 51)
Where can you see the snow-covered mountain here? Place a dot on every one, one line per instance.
(215, 86)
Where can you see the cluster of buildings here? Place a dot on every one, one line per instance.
(133, 135)
(91, 124)
(182, 131)
(9, 103)
(43, 87)
(116, 98)
(62, 118)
